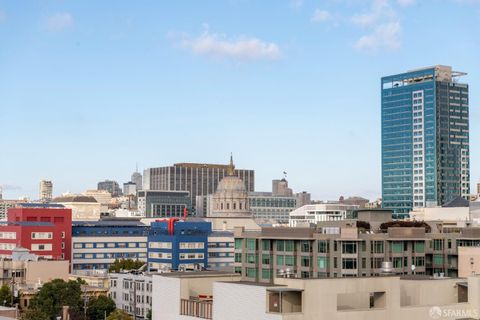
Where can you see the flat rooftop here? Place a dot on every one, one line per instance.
(199, 274)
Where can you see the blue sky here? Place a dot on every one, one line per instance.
(89, 88)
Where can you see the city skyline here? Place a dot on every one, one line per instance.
(87, 95)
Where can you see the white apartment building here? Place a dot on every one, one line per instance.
(132, 293)
(221, 247)
(313, 213)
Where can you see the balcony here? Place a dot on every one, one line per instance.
(196, 308)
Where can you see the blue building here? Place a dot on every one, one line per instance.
(96, 244)
(425, 139)
(178, 245)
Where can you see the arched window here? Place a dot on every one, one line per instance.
(228, 206)
(240, 206)
(221, 206)
(234, 206)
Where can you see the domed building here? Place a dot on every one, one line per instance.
(231, 197)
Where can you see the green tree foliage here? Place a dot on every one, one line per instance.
(149, 314)
(53, 295)
(125, 264)
(99, 306)
(34, 314)
(119, 315)
(5, 296)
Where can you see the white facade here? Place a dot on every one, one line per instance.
(314, 213)
(46, 188)
(99, 252)
(132, 293)
(221, 251)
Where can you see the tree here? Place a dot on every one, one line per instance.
(119, 315)
(53, 295)
(5, 296)
(125, 264)
(149, 314)
(100, 306)
(34, 314)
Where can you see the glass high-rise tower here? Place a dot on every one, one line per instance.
(425, 138)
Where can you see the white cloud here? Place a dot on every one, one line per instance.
(60, 21)
(241, 48)
(405, 3)
(384, 36)
(321, 15)
(379, 9)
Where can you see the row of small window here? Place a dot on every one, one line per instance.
(91, 245)
(347, 247)
(140, 286)
(139, 299)
(220, 244)
(34, 235)
(182, 245)
(182, 256)
(138, 311)
(109, 255)
(220, 254)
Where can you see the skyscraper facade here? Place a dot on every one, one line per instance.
(46, 188)
(110, 186)
(425, 138)
(196, 178)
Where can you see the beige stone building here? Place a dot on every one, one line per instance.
(217, 296)
(231, 197)
(352, 248)
(83, 207)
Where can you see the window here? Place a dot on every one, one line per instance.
(266, 258)
(397, 247)
(438, 244)
(437, 259)
(42, 247)
(419, 246)
(266, 274)
(305, 261)
(77, 245)
(238, 243)
(305, 245)
(349, 247)
(251, 244)
(251, 258)
(397, 262)
(238, 257)
(377, 247)
(322, 262)
(419, 261)
(100, 245)
(280, 260)
(190, 245)
(280, 245)
(251, 272)
(349, 263)
(42, 235)
(364, 263)
(323, 246)
(266, 245)
(238, 270)
(290, 261)
(289, 245)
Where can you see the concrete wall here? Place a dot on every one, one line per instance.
(234, 301)
(468, 261)
(46, 271)
(419, 292)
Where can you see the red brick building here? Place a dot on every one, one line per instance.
(45, 230)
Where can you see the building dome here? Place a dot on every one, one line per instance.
(231, 196)
(232, 184)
